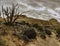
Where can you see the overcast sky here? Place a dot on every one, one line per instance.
(40, 9)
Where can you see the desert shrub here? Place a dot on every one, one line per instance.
(58, 33)
(22, 23)
(17, 24)
(2, 43)
(40, 28)
(48, 32)
(4, 32)
(21, 36)
(43, 36)
(25, 38)
(17, 34)
(30, 33)
(28, 24)
(0, 22)
(26, 34)
(36, 25)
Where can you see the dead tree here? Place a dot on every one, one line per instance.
(9, 13)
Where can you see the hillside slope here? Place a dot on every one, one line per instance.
(10, 39)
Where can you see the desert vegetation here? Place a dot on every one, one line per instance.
(23, 29)
(58, 33)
